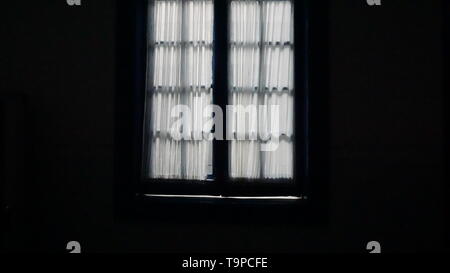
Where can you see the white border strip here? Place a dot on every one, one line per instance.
(227, 197)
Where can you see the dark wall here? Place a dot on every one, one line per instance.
(386, 158)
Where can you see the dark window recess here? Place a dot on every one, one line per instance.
(264, 141)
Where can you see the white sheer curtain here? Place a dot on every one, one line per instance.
(180, 73)
(261, 75)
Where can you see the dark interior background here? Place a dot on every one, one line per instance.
(386, 76)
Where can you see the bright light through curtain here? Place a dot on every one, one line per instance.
(180, 73)
(261, 74)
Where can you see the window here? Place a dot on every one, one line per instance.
(261, 86)
(225, 99)
(222, 70)
(179, 74)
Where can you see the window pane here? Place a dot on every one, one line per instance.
(179, 74)
(261, 89)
